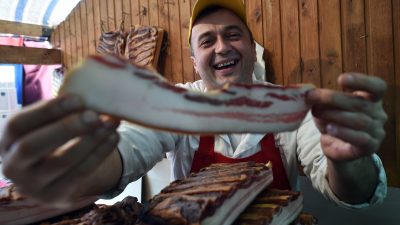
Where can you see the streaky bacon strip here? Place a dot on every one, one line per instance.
(112, 86)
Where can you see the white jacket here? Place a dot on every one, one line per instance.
(142, 148)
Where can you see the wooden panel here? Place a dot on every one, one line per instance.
(93, 20)
(8, 27)
(255, 18)
(273, 40)
(153, 12)
(84, 29)
(175, 35)
(12, 55)
(72, 30)
(396, 86)
(135, 13)
(164, 22)
(354, 35)
(126, 13)
(309, 39)
(55, 39)
(380, 63)
(330, 42)
(186, 61)
(144, 12)
(118, 14)
(290, 42)
(111, 15)
(62, 42)
(67, 53)
(97, 20)
(78, 34)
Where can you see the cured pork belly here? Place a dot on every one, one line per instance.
(215, 195)
(125, 212)
(16, 209)
(141, 46)
(272, 207)
(113, 86)
(112, 42)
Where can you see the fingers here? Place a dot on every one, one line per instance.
(37, 115)
(340, 100)
(374, 86)
(34, 146)
(71, 180)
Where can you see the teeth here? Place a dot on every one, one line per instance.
(226, 64)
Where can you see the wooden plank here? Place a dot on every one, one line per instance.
(111, 15)
(119, 15)
(273, 41)
(353, 36)
(93, 20)
(396, 38)
(84, 29)
(164, 22)
(380, 63)
(290, 42)
(153, 12)
(62, 42)
(187, 67)
(9, 27)
(175, 34)
(309, 42)
(78, 34)
(67, 53)
(24, 55)
(72, 29)
(255, 18)
(55, 38)
(330, 43)
(135, 13)
(126, 12)
(144, 12)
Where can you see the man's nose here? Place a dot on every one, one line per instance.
(222, 46)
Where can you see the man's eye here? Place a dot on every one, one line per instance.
(234, 36)
(205, 43)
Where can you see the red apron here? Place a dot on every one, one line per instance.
(206, 156)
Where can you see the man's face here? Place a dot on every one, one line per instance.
(222, 49)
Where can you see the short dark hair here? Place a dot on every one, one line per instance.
(209, 10)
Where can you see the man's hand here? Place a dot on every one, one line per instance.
(49, 149)
(352, 128)
(351, 123)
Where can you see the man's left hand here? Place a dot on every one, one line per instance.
(351, 122)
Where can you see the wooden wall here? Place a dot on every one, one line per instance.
(307, 41)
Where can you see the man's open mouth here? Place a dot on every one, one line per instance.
(226, 64)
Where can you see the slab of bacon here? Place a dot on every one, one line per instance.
(273, 207)
(125, 212)
(16, 209)
(215, 195)
(113, 86)
(111, 42)
(141, 45)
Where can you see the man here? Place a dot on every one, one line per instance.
(59, 152)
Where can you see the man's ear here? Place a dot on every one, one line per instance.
(194, 63)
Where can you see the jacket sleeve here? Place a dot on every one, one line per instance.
(140, 149)
(314, 164)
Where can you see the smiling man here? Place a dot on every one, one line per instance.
(70, 153)
(223, 48)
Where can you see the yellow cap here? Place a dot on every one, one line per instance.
(236, 6)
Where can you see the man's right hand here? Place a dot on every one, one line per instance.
(49, 149)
